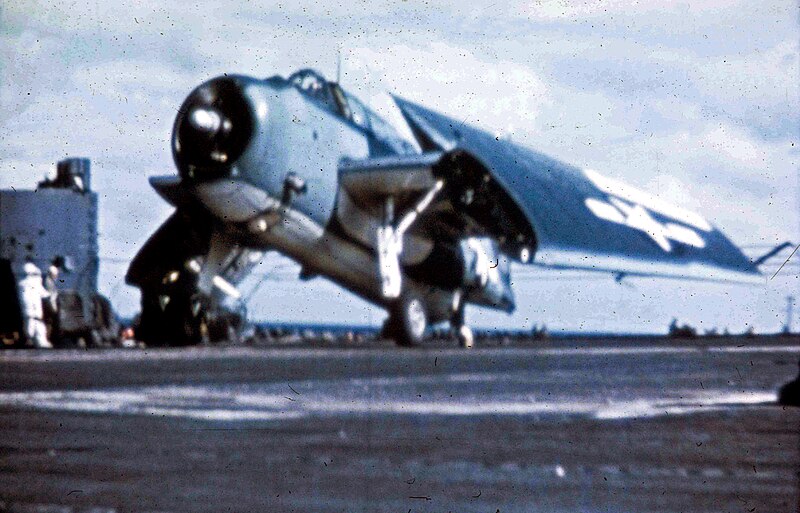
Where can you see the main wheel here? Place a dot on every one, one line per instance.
(408, 320)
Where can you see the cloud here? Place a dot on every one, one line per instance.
(757, 90)
(494, 94)
(563, 9)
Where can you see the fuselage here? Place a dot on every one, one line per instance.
(262, 156)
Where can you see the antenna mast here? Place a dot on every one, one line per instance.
(339, 65)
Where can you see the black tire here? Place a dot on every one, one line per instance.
(176, 324)
(408, 320)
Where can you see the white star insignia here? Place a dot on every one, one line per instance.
(639, 218)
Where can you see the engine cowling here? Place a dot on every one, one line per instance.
(213, 128)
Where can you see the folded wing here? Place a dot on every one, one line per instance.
(530, 203)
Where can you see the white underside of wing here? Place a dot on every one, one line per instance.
(570, 259)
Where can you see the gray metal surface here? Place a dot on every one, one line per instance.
(606, 425)
(50, 222)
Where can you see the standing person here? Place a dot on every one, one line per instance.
(51, 303)
(31, 295)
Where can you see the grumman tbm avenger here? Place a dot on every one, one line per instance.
(421, 225)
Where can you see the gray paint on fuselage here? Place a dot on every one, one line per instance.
(298, 136)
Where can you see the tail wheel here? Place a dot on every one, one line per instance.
(466, 339)
(408, 320)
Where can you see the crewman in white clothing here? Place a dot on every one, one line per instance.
(31, 295)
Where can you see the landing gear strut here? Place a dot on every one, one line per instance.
(466, 339)
(408, 318)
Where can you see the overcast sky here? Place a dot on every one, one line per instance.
(696, 102)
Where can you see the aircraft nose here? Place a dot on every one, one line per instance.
(212, 130)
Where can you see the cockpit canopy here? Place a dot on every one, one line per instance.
(330, 95)
(310, 82)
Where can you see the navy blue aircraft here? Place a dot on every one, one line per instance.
(419, 226)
